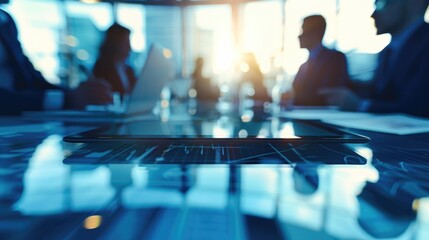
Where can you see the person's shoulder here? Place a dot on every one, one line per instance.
(421, 33)
(424, 30)
(104, 62)
(5, 17)
(425, 26)
(7, 23)
(419, 39)
(333, 53)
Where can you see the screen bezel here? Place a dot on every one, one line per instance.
(341, 136)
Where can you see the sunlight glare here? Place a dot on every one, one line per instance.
(287, 131)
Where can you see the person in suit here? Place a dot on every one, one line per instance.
(401, 80)
(324, 68)
(254, 77)
(111, 62)
(202, 84)
(23, 88)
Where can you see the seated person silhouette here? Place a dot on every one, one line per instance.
(389, 206)
(306, 178)
(205, 90)
(23, 88)
(401, 80)
(324, 67)
(111, 62)
(252, 75)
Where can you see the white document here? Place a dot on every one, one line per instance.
(400, 124)
(323, 114)
(393, 123)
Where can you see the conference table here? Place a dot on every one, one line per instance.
(51, 189)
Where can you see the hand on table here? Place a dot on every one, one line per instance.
(342, 97)
(91, 92)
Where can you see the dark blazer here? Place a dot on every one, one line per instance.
(327, 70)
(105, 68)
(205, 90)
(29, 84)
(404, 86)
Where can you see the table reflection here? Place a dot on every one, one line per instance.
(52, 189)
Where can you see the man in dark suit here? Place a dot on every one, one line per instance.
(401, 81)
(22, 87)
(324, 67)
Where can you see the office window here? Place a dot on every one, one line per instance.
(163, 26)
(209, 35)
(132, 16)
(86, 24)
(356, 36)
(262, 32)
(356, 30)
(71, 32)
(40, 25)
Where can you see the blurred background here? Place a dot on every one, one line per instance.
(60, 35)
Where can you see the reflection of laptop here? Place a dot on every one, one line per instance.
(157, 70)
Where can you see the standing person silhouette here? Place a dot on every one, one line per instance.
(111, 62)
(254, 76)
(401, 80)
(23, 88)
(324, 67)
(202, 84)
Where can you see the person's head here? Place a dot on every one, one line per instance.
(313, 30)
(198, 68)
(116, 42)
(393, 16)
(250, 59)
(199, 62)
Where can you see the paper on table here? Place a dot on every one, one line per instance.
(323, 114)
(391, 123)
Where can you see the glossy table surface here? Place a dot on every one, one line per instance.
(376, 190)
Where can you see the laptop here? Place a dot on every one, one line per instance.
(156, 72)
(276, 141)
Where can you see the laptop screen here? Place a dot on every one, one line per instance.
(156, 72)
